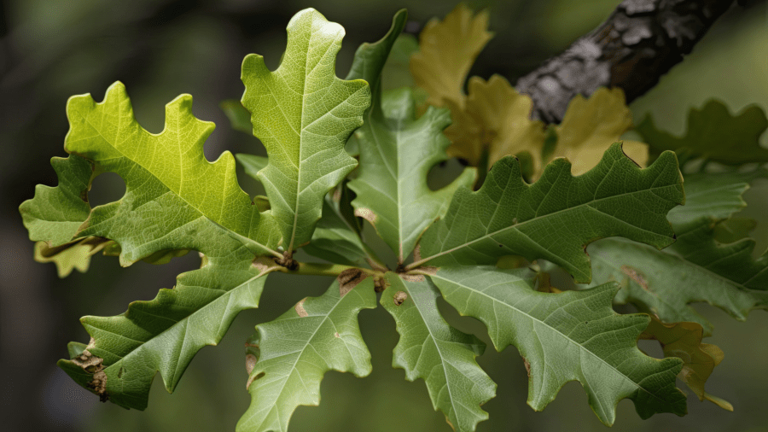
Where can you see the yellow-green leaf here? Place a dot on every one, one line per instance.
(303, 114)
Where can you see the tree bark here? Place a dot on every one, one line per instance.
(632, 49)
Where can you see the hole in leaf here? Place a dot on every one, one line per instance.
(106, 188)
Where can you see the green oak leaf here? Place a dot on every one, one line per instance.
(714, 134)
(559, 215)
(696, 268)
(303, 114)
(715, 196)
(174, 199)
(573, 335)
(164, 334)
(396, 154)
(295, 350)
(430, 349)
(337, 236)
(55, 214)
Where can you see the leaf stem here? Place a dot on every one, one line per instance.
(318, 269)
(417, 264)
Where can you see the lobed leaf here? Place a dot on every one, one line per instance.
(714, 134)
(590, 126)
(295, 350)
(573, 335)
(430, 349)
(55, 214)
(559, 215)
(696, 268)
(164, 334)
(447, 50)
(303, 114)
(175, 198)
(396, 154)
(683, 340)
(494, 123)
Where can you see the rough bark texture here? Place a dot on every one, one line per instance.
(632, 49)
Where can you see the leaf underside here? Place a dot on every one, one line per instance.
(317, 335)
(696, 268)
(573, 335)
(430, 349)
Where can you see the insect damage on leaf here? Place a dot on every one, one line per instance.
(348, 280)
(94, 366)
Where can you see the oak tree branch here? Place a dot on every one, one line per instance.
(632, 49)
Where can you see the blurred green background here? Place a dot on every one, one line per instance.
(52, 49)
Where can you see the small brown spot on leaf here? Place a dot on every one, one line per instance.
(635, 276)
(400, 298)
(337, 335)
(527, 367)
(253, 378)
(417, 253)
(336, 194)
(349, 278)
(366, 214)
(250, 363)
(300, 308)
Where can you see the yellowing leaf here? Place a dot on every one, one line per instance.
(591, 125)
(447, 50)
(683, 340)
(496, 119)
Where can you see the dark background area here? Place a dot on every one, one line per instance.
(50, 50)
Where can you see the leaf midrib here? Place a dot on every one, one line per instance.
(439, 351)
(178, 194)
(301, 353)
(537, 218)
(184, 320)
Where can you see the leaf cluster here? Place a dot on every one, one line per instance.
(348, 153)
